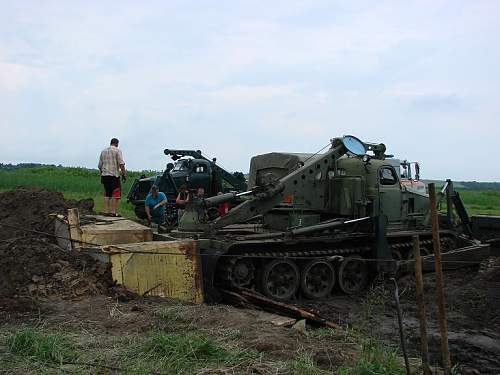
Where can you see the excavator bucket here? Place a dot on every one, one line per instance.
(169, 269)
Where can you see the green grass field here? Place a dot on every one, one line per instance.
(74, 183)
(481, 202)
(78, 183)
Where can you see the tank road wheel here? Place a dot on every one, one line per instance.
(353, 274)
(241, 272)
(280, 279)
(318, 279)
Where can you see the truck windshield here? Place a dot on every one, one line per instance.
(181, 165)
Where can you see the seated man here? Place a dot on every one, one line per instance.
(182, 199)
(155, 205)
(200, 194)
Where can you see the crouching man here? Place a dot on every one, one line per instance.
(155, 206)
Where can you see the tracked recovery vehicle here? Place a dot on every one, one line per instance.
(313, 222)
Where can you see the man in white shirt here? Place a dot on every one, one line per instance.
(111, 166)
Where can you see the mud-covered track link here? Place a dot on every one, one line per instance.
(284, 273)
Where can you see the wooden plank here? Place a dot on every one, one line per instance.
(105, 230)
(102, 224)
(116, 237)
(249, 298)
(283, 321)
(102, 230)
(74, 227)
(274, 319)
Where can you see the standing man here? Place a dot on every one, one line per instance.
(155, 205)
(111, 166)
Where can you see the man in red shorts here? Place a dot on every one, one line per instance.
(111, 166)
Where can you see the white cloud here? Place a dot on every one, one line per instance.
(15, 77)
(245, 77)
(241, 93)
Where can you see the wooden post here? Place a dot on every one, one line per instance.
(449, 203)
(443, 327)
(400, 325)
(74, 227)
(424, 345)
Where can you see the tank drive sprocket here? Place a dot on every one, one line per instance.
(239, 272)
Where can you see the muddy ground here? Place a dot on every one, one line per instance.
(473, 311)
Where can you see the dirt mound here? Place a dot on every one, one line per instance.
(29, 208)
(34, 267)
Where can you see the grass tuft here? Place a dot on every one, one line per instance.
(178, 353)
(174, 314)
(374, 359)
(323, 332)
(29, 342)
(304, 365)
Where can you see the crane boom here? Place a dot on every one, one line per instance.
(269, 196)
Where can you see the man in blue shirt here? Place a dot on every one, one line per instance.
(155, 205)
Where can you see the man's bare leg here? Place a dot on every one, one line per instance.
(114, 202)
(106, 205)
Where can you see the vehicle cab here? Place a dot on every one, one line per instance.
(194, 173)
(375, 187)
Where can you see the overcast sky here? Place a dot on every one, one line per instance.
(239, 78)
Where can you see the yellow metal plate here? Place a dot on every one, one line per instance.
(162, 268)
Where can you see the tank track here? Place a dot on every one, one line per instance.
(305, 253)
(246, 269)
